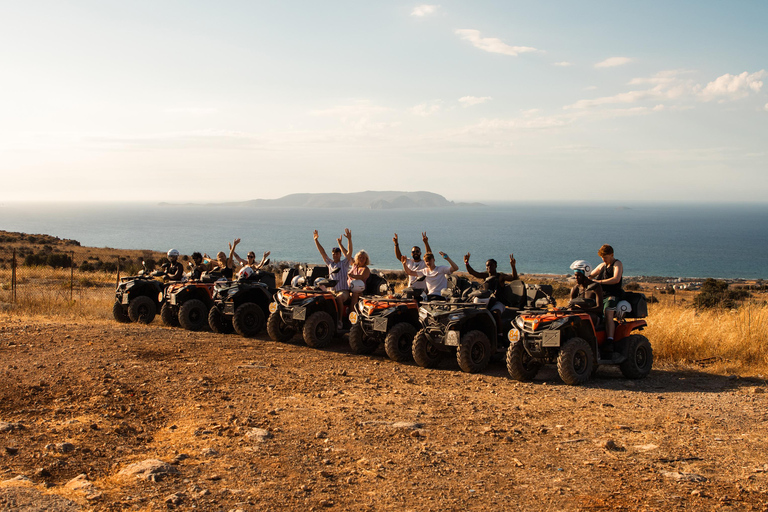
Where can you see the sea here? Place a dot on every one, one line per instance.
(667, 240)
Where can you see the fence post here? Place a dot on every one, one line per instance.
(118, 271)
(13, 278)
(71, 273)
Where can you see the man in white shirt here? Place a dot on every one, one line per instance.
(415, 262)
(435, 276)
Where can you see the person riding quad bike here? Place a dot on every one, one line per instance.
(138, 298)
(571, 339)
(242, 305)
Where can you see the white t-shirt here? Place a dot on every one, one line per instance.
(435, 279)
(343, 266)
(412, 280)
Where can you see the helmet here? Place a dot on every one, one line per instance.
(356, 286)
(322, 283)
(245, 273)
(297, 281)
(581, 265)
(173, 252)
(623, 308)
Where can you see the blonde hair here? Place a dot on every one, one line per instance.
(362, 255)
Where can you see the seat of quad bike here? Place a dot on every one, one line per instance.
(373, 285)
(513, 294)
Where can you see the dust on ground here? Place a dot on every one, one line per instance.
(228, 423)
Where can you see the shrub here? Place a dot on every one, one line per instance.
(632, 287)
(86, 267)
(715, 294)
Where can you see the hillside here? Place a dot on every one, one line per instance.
(370, 199)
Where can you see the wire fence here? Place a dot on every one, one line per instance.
(43, 286)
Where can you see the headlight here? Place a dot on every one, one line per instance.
(272, 307)
(353, 317)
(455, 317)
(513, 335)
(519, 322)
(129, 284)
(558, 323)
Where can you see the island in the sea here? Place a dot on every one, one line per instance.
(370, 199)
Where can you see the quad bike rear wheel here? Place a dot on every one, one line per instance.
(399, 342)
(119, 313)
(424, 351)
(278, 330)
(319, 330)
(474, 352)
(359, 342)
(520, 365)
(639, 357)
(168, 315)
(219, 322)
(249, 320)
(193, 315)
(142, 309)
(575, 361)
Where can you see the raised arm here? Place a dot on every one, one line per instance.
(407, 270)
(348, 234)
(263, 260)
(427, 248)
(341, 246)
(513, 264)
(232, 252)
(454, 266)
(320, 247)
(238, 259)
(398, 254)
(473, 272)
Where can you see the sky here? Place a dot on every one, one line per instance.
(197, 101)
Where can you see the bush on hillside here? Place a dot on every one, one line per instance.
(716, 294)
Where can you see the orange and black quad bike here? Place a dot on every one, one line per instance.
(187, 302)
(392, 320)
(571, 339)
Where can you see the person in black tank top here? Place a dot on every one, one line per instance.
(609, 274)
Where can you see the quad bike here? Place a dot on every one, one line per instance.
(138, 298)
(467, 326)
(187, 302)
(391, 320)
(572, 340)
(242, 305)
(310, 310)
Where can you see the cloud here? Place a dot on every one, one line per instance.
(492, 44)
(426, 109)
(359, 109)
(733, 87)
(613, 62)
(562, 64)
(673, 85)
(424, 10)
(468, 101)
(194, 111)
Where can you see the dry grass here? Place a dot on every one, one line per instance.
(730, 341)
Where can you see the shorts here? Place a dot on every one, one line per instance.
(609, 303)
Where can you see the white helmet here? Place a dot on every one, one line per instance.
(356, 286)
(245, 273)
(173, 252)
(623, 308)
(581, 265)
(297, 281)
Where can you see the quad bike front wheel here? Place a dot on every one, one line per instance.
(639, 357)
(119, 313)
(319, 330)
(359, 342)
(168, 315)
(278, 330)
(424, 351)
(399, 342)
(142, 309)
(474, 352)
(219, 322)
(193, 315)
(249, 320)
(575, 361)
(520, 365)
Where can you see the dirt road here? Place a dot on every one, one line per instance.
(227, 423)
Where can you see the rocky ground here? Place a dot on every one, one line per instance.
(105, 416)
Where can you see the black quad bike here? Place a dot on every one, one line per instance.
(467, 326)
(138, 298)
(187, 302)
(242, 305)
(571, 339)
(312, 311)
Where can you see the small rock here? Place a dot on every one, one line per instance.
(646, 447)
(325, 473)
(7, 426)
(406, 425)
(174, 499)
(259, 434)
(11, 450)
(209, 452)
(326, 503)
(321, 435)
(152, 470)
(683, 477)
(180, 457)
(609, 445)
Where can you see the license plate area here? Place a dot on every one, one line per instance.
(380, 324)
(299, 313)
(229, 309)
(452, 338)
